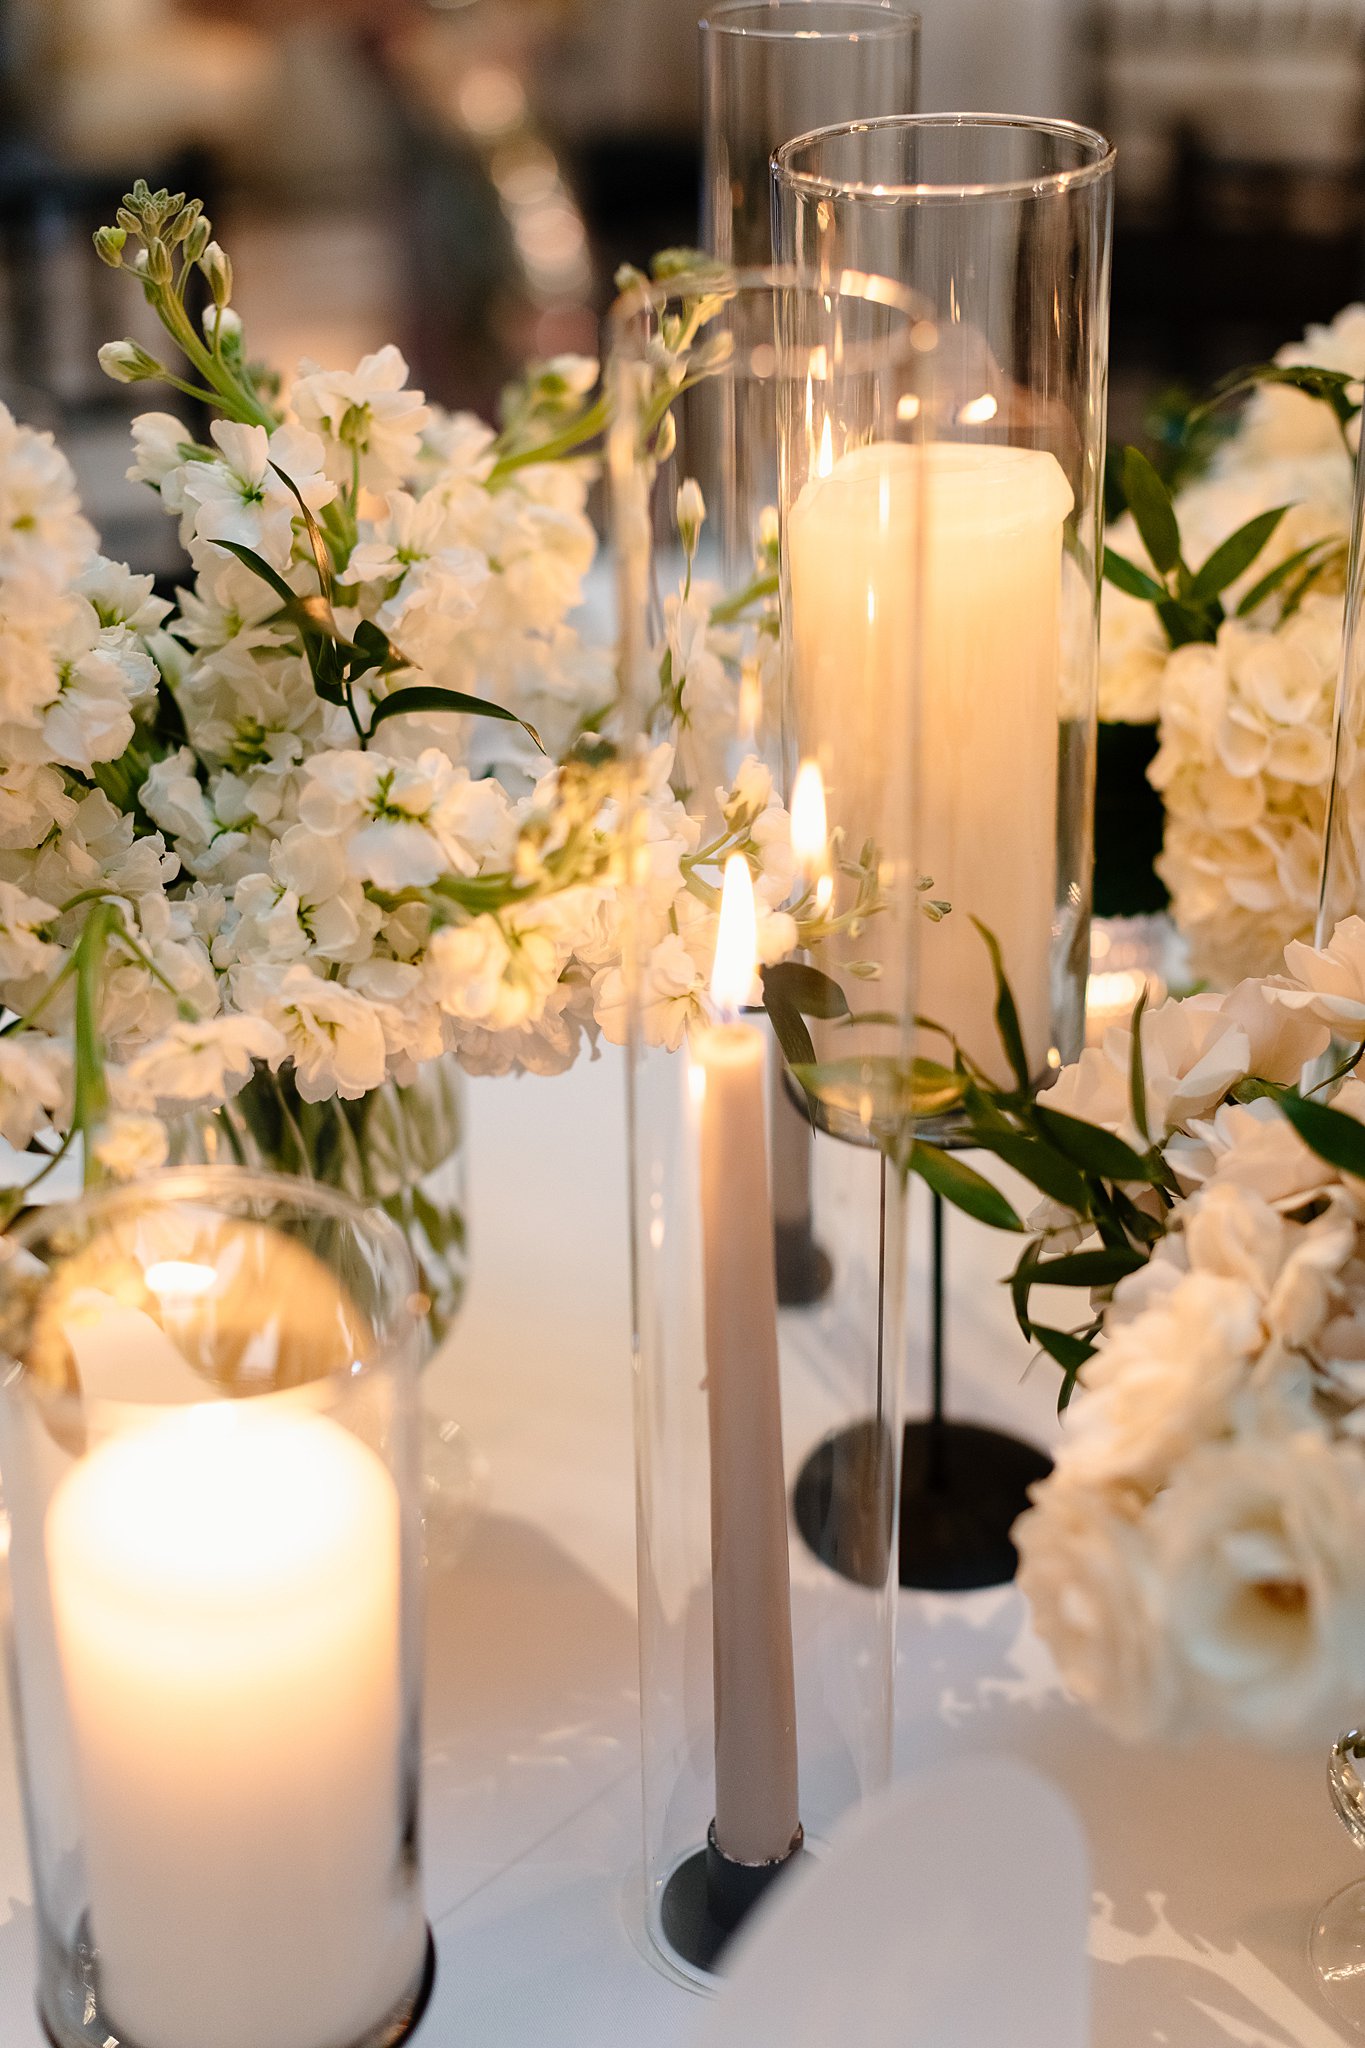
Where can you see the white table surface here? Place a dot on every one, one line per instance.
(1207, 1864)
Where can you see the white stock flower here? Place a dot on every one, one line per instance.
(42, 532)
(370, 424)
(25, 951)
(670, 996)
(34, 1084)
(159, 440)
(241, 496)
(333, 1036)
(127, 1145)
(1252, 1146)
(1260, 1549)
(203, 1060)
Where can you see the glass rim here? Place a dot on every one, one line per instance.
(709, 280)
(170, 1186)
(897, 21)
(1100, 163)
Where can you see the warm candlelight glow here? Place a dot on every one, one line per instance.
(180, 1279)
(824, 461)
(732, 972)
(810, 831)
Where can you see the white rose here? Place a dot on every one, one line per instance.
(1261, 1553)
(1086, 1571)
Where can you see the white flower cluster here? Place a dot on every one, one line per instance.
(1246, 723)
(294, 877)
(1197, 1558)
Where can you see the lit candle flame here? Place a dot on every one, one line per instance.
(810, 831)
(824, 461)
(977, 411)
(732, 971)
(180, 1279)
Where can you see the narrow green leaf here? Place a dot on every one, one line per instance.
(1021, 1286)
(1137, 1077)
(1096, 1150)
(1047, 1170)
(1186, 627)
(1089, 1268)
(261, 568)
(963, 1186)
(1330, 1133)
(1235, 556)
(795, 1040)
(1071, 1352)
(1149, 501)
(322, 559)
(431, 697)
(1126, 575)
(1282, 571)
(1006, 1015)
(1331, 387)
(805, 988)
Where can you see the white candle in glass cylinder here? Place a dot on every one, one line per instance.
(757, 1814)
(990, 695)
(225, 1586)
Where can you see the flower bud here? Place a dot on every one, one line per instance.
(197, 240)
(127, 363)
(158, 261)
(109, 245)
(217, 268)
(691, 509)
(224, 326)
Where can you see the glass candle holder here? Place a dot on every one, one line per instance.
(773, 69)
(1343, 865)
(1001, 229)
(209, 1441)
(766, 1676)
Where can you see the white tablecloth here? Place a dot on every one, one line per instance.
(1207, 1863)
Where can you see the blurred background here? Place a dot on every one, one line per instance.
(463, 177)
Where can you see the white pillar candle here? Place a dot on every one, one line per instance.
(757, 1813)
(225, 1587)
(990, 670)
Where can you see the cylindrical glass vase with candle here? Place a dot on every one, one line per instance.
(1001, 229)
(774, 69)
(209, 1441)
(771, 70)
(766, 1679)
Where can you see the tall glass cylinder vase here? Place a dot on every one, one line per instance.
(773, 69)
(766, 1677)
(1343, 867)
(1001, 230)
(208, 1432)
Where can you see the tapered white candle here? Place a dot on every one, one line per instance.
(757, 1813)
(225, 1587)
(990, 677)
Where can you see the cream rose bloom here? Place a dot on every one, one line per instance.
(1260, 1553)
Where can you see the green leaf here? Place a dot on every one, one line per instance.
(1047, 1170)
(1234, 557)
(805, 988)
(375, 650)
(1096, 1150)
(261, 568)
(1137, 1077)
(798, 1048)
(1089, 1268)
(1006, 1015)
(1185, 626)
(1282, 571)
(963, 1186)
(1149, 501)
(1071, 1353)
(1022, 1281)
(1331, 387)
(1330, 1133)
(1126, 575)
(322, 560)
(430, 697)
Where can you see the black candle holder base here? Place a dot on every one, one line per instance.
(962, 1489)
(709, 1896)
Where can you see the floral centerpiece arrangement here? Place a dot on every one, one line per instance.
(1222, 627)
(350, 810)
(1196, 1560)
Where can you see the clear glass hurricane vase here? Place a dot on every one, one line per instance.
(767, 1440)
(401, 1147)
(774, 69)
(208, 1432)
(1001, 229)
